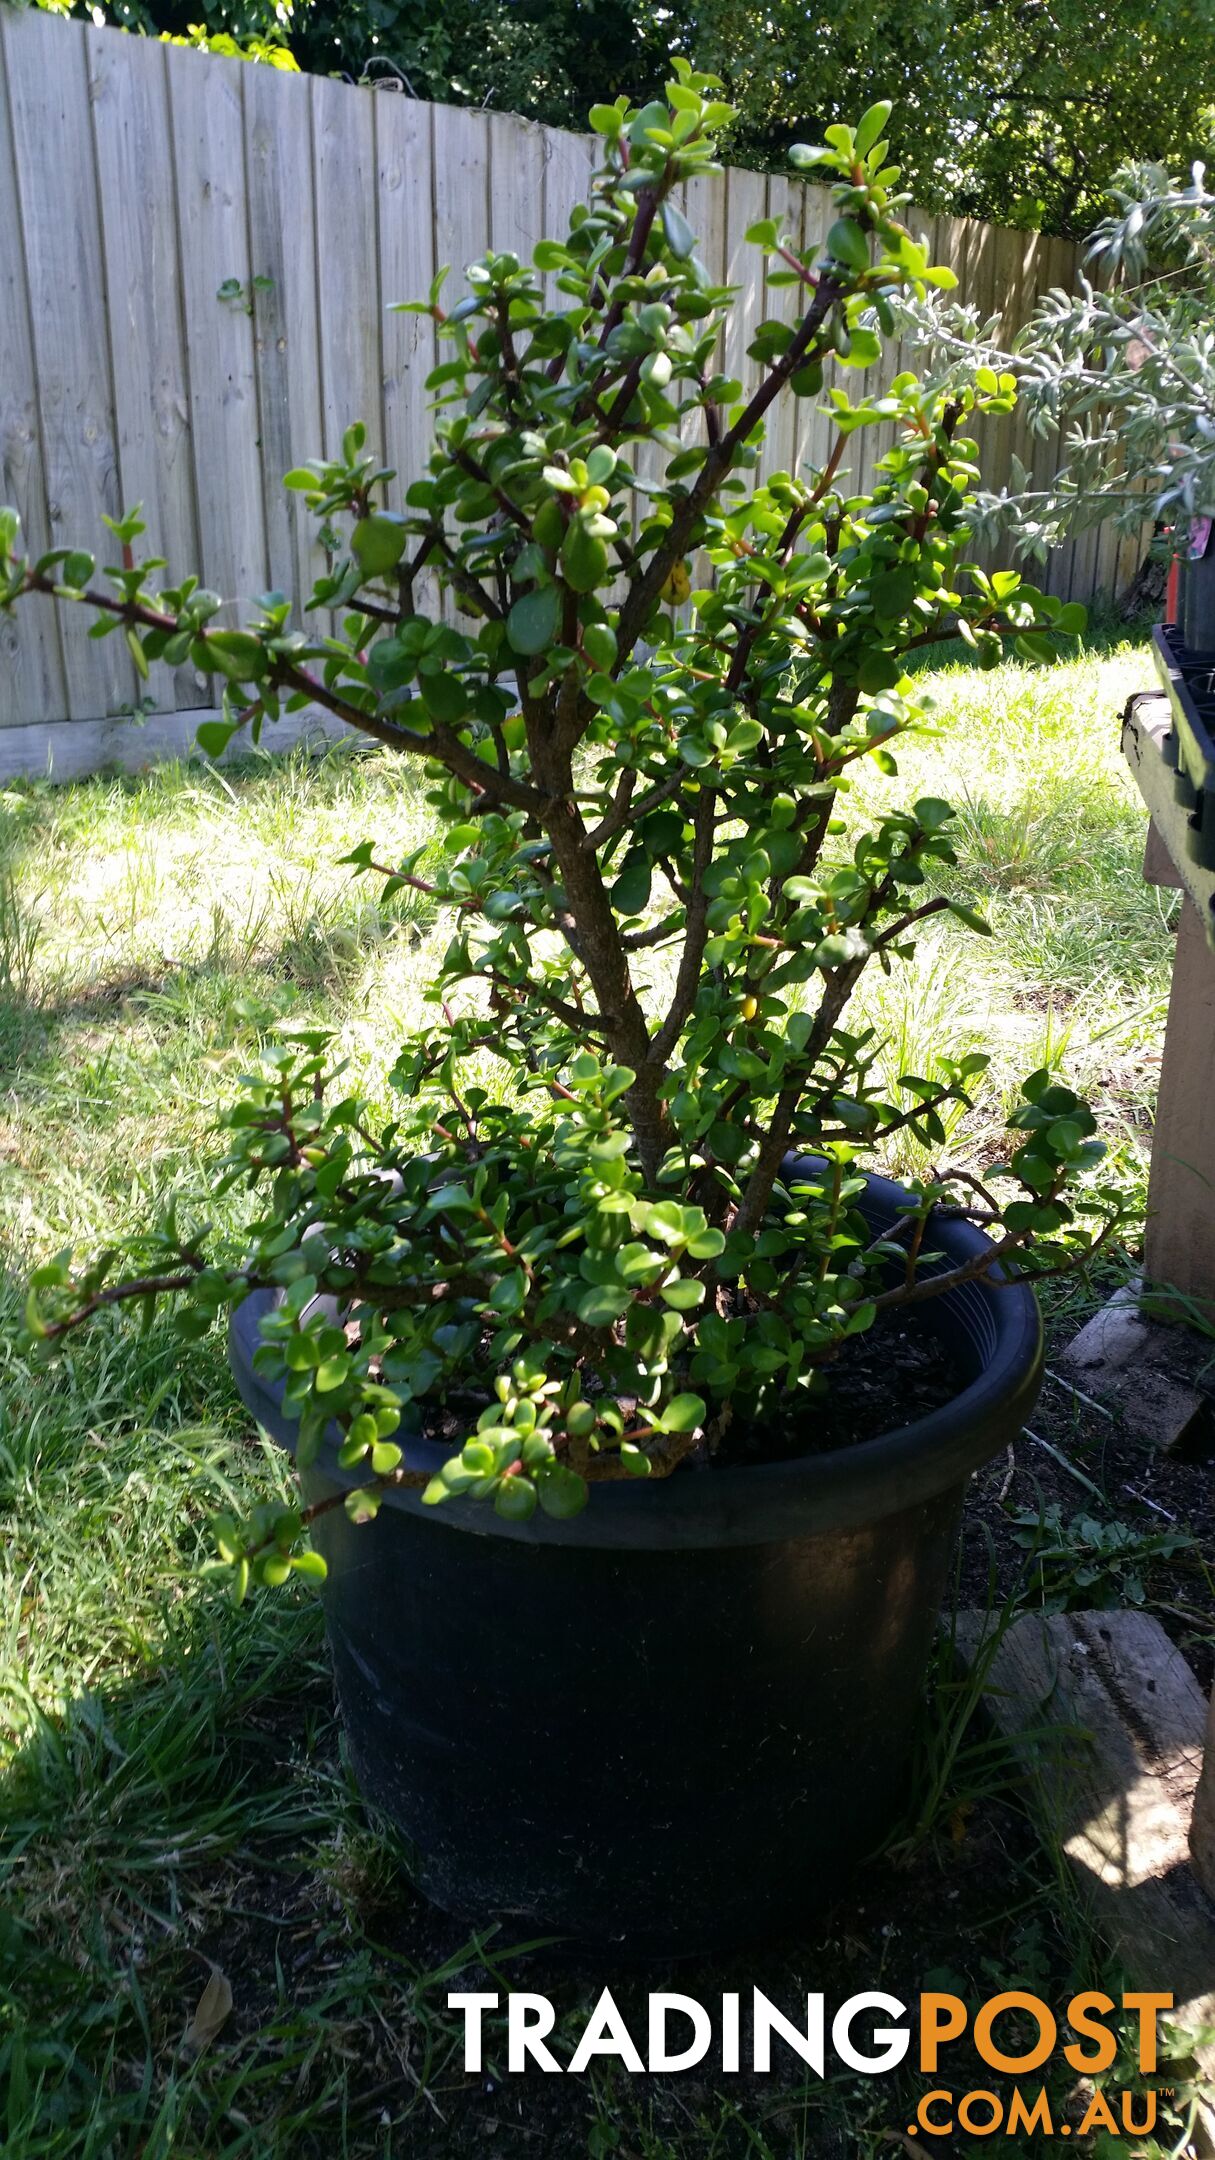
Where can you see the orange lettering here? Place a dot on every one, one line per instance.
(1021, 2117)
(939, 2129)
(1148, 2109)
(1097, 2116)
(942, 2017)
(1015, 2065)
(1083, 2021)
(995, 2117)
(1147, 2007)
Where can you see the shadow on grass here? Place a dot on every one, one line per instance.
(1107, 630)
(312, 963)
(281, 932)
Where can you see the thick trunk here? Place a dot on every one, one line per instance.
(606, 964)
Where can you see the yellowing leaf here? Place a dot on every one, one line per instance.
(211, 2012)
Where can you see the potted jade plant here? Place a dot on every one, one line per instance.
(664, 1402)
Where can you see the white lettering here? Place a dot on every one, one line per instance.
(768, 2020)
(472, 2006)
(702, 2028)
(606, 2034)
(892, 2045)
(729, 2032)
(529, 2020)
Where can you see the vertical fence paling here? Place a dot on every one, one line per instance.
(283, 298)
(145, 181)
(32, 682)
(57, 214)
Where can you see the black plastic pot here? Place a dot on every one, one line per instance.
(674, 1722)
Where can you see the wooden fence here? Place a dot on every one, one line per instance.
(142, 183)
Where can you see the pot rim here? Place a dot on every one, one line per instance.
(756, 1503)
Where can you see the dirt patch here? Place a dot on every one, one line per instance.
(1102, 1479)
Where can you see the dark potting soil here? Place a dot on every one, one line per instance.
(890, 1376)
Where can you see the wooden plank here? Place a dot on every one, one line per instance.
(1133, 548)
(32, 685)
(782, 303)
(205, 100)
(1040, 453)
(706, 214)
(1128, 1361)
(286, 332)
(705, 210)
(646, 458)
(905, 356)
(516, 193)
(1022, 443)
(978, 291)
(1007, 252)
(1107, 536)
(746, 201)
(816, 433)
(461, 208)
(1082, 580)
(1202, 1828)
(952, 247)
(343, 129)
(461, 195)
(567, 170)
(130, 103)
(1105, 567)
(899, 356)
(1179, 1244)
(1117, 1790)
(704, 206)
(57, 192)
(1059, 263)
(868, 443)
(567, 178)
(407, 265)
(517, 157)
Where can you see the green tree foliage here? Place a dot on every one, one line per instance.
(1020, 114)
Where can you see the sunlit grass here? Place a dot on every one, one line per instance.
(1049, 832)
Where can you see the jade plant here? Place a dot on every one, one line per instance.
(614, 1214)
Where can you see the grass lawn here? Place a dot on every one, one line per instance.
(173, 1790)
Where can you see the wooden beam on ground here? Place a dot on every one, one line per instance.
(1118, 1796)
(1179, 1248)
(1202, 1828)
(1129, 1363)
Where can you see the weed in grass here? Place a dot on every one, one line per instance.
(20, 931)
(1087, 1564)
